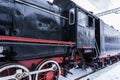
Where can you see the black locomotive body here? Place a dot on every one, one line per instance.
(46, 38)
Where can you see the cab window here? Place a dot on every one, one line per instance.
(90, 21)
(82, 19)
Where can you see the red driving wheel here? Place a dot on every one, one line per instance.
(48, 75)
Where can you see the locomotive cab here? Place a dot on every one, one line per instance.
(85, 30)
(82, 27)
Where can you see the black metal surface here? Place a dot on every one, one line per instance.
(21, 20)
(26, 21)
(32, 44)
(20, 50)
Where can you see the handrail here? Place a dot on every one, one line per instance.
(97, 49)
(37, 7)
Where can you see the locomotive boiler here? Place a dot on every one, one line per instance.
(31, 19)
(40, 40)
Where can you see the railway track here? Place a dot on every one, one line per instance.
(85, 75)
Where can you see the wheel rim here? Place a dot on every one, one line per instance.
(11, 69)
(49, 75)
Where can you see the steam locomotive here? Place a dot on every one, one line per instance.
(40, 40)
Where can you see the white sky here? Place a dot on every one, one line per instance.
(102, 5)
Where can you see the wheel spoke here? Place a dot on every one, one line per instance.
(48, 75)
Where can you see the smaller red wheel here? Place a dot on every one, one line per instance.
(48, 75)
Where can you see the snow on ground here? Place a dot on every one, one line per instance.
(112, 72)
(76, 73)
